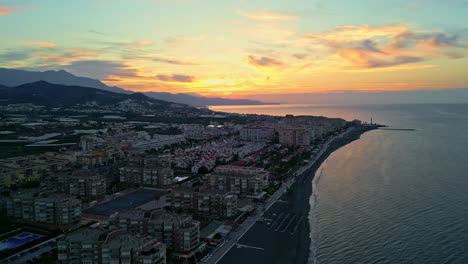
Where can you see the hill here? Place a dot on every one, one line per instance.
(57, 95)
(14, 77)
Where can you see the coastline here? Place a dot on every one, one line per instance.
(286, 239)
(336, 144)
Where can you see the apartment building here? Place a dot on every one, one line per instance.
(180, 233)
(147, 170)
(238, 180)
(204, 201)
(87, 186)
(100, 246)
(318, 126)
(44, 208)
(257, 133)
(29, 168)
(294, 137)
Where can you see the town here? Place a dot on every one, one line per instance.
(123, 184)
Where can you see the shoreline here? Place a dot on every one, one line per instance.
(287, 238)
(335, 145)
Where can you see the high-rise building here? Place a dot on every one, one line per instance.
(294, 137)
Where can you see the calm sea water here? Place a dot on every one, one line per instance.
(392, 196)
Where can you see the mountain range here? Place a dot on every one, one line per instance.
(15, 77)
(58, 95)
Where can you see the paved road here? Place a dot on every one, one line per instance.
(218, 252)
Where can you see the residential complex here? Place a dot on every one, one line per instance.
(238, 180)
(100, 246)
(180, 233)
(44, 208)
(30, 168)
(85, 185)
(135, 189)
(294, 137)
(204, 201)
(148, 171)
(257, 133)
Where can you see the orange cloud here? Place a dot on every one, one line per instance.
(266, 16)
(57, 58)
(395, 47)
(264, 61)
(5, 10)
(139, 44)
(352, 33)
(39, 44)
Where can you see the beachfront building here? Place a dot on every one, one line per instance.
(147, 170)
(238, 180)
(99, 246)
(294, 137)
(204, 201)
(317, 126)
(180, 233)
(44, 208)
(257, 133)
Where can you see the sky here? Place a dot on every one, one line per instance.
(243, 48)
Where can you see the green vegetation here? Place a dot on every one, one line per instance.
(48, 258)
(271, 189)
(7, 224)
(15, 149)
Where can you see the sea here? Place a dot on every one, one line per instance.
(393, 196)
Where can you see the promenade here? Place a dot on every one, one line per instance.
(233, 238)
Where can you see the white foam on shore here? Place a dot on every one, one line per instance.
(313, 217)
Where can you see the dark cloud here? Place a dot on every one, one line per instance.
(370, 45)
(300, 56)
(370, 57)
(365, 54)
(392, 61)
(264, 61)
(19, 55)
(435, 40)
(174, 61)
(175, 78)
(97, 32)
(100, 69)
(442, 40)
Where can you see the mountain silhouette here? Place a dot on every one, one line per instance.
(15, 77)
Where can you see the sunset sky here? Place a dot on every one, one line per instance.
(240, 48)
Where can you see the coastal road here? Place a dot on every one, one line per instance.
(218, 252)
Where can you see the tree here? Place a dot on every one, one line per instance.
(203, 170)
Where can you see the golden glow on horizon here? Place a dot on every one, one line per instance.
(241, 50)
